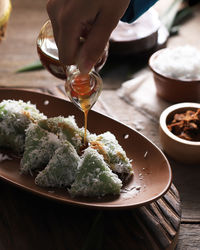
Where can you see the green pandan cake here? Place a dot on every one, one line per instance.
(53, 145)
(61, 169)
(15, 117)
(66, 128)
(107, 145)
(94, 177)
(40, 146)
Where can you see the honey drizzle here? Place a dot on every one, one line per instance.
(83, 90)
(85, 106)
(82, 87)
(86, 120)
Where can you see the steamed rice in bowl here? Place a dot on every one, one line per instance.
(182, 63)
(176, 73)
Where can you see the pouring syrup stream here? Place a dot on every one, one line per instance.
(83, 90)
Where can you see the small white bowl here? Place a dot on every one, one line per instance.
(181, 150)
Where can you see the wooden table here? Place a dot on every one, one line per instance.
(20, 213)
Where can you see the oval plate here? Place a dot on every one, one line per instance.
(152, 172)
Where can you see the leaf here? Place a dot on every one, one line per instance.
(183, 15)
(169, 16)
(31, 67)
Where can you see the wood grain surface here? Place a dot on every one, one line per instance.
(29, 222)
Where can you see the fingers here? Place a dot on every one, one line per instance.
(68, 43)
(66, 30)
(52, 9)
(92, 20)
(96, 41)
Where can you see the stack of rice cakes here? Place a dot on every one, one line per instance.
(51, 147)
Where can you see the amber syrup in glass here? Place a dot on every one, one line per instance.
(83, 90)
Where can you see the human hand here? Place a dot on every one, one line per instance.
(92, 20)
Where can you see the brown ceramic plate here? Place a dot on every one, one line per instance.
(152, 172)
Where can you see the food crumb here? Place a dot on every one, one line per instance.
(140, 176)
(51, 191)
(4, 157)
(145, 154)
(129, 189)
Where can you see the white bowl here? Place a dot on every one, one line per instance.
(181, 150)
